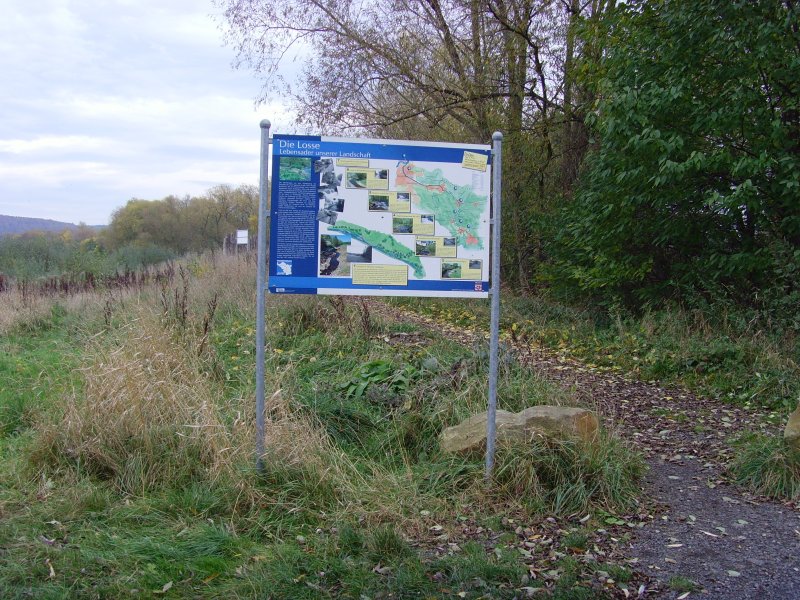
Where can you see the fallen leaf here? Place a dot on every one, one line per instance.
(166, 587)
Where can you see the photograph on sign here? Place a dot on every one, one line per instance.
(379, 217)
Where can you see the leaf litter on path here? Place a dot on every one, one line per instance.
(732, 544)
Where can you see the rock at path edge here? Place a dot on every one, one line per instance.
(792, 431)
(470, 435)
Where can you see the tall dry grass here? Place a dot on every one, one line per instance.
(150, 417)
(151, 412)
(19, 311)
(233, 278)
(145, 417)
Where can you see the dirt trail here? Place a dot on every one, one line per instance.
(733, 545)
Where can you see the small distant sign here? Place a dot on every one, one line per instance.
(241, 236)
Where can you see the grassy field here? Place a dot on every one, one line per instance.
(729, 356)
(127, 465)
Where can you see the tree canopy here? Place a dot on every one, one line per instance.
(651, 146)
(439, 70)
(695, 184)
(184, 224)
(142, 232)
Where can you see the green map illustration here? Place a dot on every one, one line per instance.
(384, 243)
(457, 208)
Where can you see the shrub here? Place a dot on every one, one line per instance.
(767, 465)
(566, 475)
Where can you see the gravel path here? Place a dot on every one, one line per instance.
(732, 545)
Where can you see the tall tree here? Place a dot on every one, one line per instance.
(695, 183)
(183, 224)
(436, 69)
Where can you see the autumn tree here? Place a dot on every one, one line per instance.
(188, 224)
(427, 69)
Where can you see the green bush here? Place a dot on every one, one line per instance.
(767, 465)
(133, 257)
(566, 475)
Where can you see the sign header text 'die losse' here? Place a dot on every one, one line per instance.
(379, 217)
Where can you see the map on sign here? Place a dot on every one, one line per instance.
(379, 217)
(383, 242)
(456, 207)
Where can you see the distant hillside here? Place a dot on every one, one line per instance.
(11, 225)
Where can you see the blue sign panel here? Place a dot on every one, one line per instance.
(379, 217)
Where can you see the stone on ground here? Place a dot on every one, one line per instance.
(470, 435)
(570, 420)
(792, 432)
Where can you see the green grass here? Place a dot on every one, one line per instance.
(34, 358)
(110, 547)
(576, 540)
(566, 476)
(717, 353)
(766, 465)
(681, 584)
(130, 469)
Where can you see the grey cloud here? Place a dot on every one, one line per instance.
(146, 87)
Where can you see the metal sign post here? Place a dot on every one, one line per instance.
(261, 289)
(494, 333)
(422, 206)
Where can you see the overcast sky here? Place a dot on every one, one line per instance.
(107, 100)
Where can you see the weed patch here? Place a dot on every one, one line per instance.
(766, 465)
(144, 419)
(564, 475)
(681, 584)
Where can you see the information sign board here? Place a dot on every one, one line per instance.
(379, 217)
